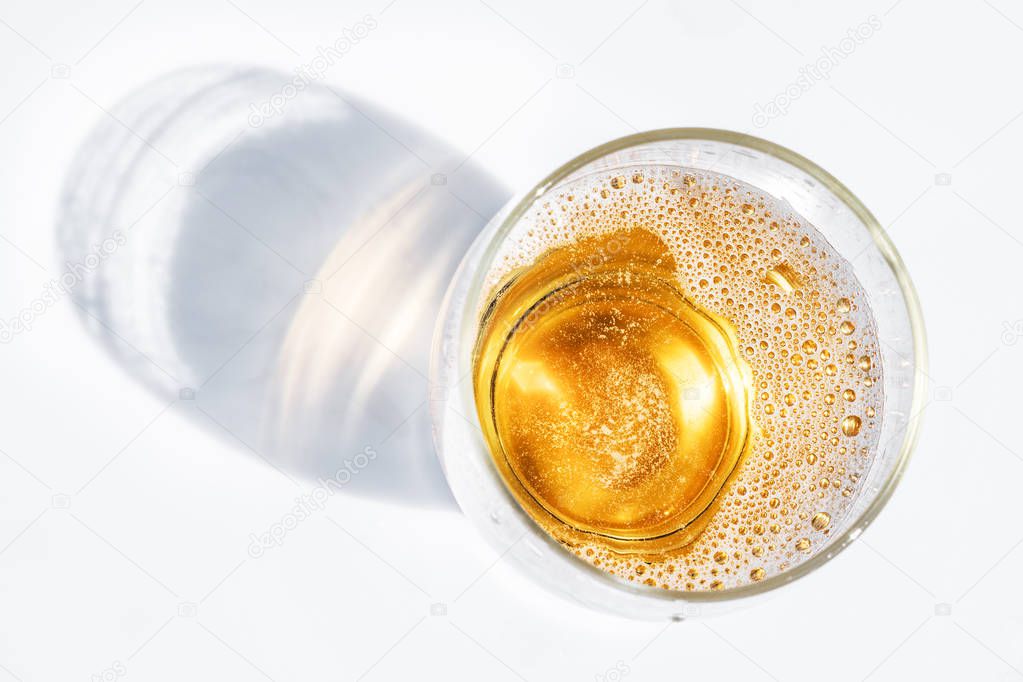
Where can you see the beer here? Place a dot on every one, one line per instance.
(677, 377)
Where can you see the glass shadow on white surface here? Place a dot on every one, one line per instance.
(276, 256)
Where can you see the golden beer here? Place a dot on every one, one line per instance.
(676, 377)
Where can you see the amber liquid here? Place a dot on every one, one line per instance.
(676, 378)
(614, 406)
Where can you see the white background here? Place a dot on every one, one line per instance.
(144, 573)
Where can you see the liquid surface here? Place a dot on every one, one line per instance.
(677, 378)
(620, 407)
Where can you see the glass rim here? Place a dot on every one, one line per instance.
(887, 250)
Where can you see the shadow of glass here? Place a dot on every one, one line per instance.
(275, 257)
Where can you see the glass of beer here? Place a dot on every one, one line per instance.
(684, 369)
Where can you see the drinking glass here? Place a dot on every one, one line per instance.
(798, 184)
